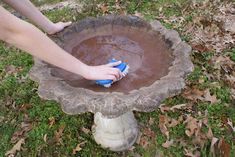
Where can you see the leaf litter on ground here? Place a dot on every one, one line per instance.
(15, 148)
(212, 28)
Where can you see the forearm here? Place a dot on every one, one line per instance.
(26, 8)
(39, 45)
(28, 38)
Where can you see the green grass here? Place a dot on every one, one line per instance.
(232, 54)
(16, 89)
(64, 14)
(42, 2)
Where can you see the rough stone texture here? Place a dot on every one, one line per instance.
(117, 134)
(79, 100)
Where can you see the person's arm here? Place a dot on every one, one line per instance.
(26, 8)
(30, 39)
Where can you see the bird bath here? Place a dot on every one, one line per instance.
(158, 60)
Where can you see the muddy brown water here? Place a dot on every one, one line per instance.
(145, 52)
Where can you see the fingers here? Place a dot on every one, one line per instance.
(111, 77)
(116, 73)
(120, 75)
(114, 64)
(104, 72)
(66, 24)
(57, 27)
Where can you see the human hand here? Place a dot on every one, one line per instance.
(103, 72)
(57, 27)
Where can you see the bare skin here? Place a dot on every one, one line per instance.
(27, 37)
(26, 8)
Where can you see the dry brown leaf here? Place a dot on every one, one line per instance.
(104, 8)
(196, 94)
(205, 119)
(85, 130)
(168, 143)
(11, 69)
(230, 80)
(226, 17)
(139, 14)
(117, 4)
(201, 80)
(163, 120)
(192, 126)
(132, 148)
(151, 121)
(212, 147)
(193, 94)
(219, 60)
(25, 107)
(51, 121)
(173, 122)
(58, 134)
(225, 68)
(224, 148)
(149, 133)
(181, 141)
(144, 142)
(164, 108)
(25, 127)
(16, 147)
(213, 29)
(180, 106)
(208, 97)
(200, 139)
(189, 153)
(233, 94)
(45, 138)
(78, 148)
(230, 123)
(200, 47)
(17, 135)
(123, 12)
(210, 134)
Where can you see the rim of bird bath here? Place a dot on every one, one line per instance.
(116, 105)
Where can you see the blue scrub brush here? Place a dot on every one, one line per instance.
(123, 67)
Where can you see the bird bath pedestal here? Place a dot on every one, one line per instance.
(158, 60)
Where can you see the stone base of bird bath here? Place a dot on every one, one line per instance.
(117, 134)
(158, 59)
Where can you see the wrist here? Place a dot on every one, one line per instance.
(49, 27)
(84, 70)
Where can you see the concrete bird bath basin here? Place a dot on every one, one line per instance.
(158, 60)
